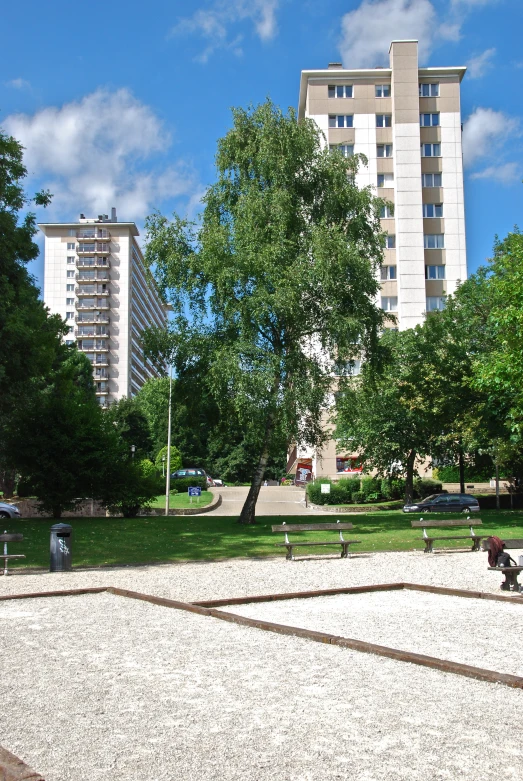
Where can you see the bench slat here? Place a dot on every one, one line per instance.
(460, 537)
(11, 537)
(5, 556)
(311, 527)
(472, 521)
(311, 543)
(514, 544)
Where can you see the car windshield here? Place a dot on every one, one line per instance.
(431, 498)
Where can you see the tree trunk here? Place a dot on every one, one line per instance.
(57, 511)
(409, 482)
(461, 470)
(247, 515)
(7, 483)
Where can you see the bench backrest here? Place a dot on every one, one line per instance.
(5, 537)
(311, 527)
(421, 524)
(513, 544)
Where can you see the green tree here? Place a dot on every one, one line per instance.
(132, 426)
(279, 278)
(30, 337)
(160, 461)
(136, 484)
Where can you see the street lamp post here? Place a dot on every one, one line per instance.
(133, 449)
(168, 472)
(163, 466)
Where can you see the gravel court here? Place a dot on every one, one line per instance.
(104, 687)
(461, 630)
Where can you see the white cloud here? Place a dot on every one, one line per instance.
(484, 132)
(472, 3)
(18, 84)
(214, 24)
(96, 153)
(478, 66)
(368, 30)
(509, 173)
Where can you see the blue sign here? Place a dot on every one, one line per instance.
(194, 491)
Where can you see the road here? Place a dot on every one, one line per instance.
(273, 500)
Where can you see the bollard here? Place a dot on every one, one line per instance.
(61, 548)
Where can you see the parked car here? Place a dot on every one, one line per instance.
(218, 483)
(9, 510)
(196, 472)
(444, 503)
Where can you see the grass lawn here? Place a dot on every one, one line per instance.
(181, 501)
(102, 541)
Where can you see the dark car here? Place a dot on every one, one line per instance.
(444, 503)
(196, 472)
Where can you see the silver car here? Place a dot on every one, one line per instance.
(9, 511)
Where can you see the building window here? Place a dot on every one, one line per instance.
(70, 275)
(70, 288)
(383, 90)
(69, 315)
(434, 241)
(429, 90)
(431, 150)
(434, 272)
(70, 330)
(347, 150)
(70, 259)
(69, 301)
(390, 242)
(435, 303)
(383, 120)
(340, 91)
(71, 245)
(387, 273)
(384, 150)
(340, 120)
(385, 180)
(429, 120)
(389, 303)
(387, 211)
(433, 210)
(431, 180)
(69, 342)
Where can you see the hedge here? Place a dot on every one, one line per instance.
(367, 490)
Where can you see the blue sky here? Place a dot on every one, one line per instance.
(121, 104)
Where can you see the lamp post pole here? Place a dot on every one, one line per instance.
(163, 466)
(168, 472)
(133, 449)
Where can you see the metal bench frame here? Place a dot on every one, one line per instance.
(430, 539)
(5, 538)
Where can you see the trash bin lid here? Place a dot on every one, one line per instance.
(61, 527)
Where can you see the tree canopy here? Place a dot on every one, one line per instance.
(277, 282)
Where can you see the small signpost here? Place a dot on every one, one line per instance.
(325, 488)
(194, 492)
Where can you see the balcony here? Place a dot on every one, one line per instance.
(97, 361)
(91, 304)
(102, 391)
(93, 248)
(100, 276)
(101, 374)
(93, 263)
(88, 318)
(86, 333)
(93, 233)
(89, 291)
(91, 346)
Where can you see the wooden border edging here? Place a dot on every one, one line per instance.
(205, 609)
(14, 769)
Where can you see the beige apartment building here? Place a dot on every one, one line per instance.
(406, 120)
(95, 279)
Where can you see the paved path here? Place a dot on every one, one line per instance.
(273, 500)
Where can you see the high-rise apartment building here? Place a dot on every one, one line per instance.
(406, 120)
(96, 281)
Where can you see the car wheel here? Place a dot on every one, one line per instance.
(4, 514)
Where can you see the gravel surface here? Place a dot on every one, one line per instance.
(453, 628)
(102, 687)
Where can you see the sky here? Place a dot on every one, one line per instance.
(121, 104)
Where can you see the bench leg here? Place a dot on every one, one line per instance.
(428, 547)
(475, 544)
(289, 555)
(345, 554)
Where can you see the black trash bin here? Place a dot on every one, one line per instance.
(61, 547)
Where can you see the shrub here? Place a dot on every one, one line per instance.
(181, 484)
(425, 487)
(350, 485)
(372, 498)
(369, 485)
(358, 497)
(176, 459)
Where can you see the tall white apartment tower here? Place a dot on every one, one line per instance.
(406, 120)
(96, 281)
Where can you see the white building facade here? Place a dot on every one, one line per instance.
(95, 279)
(406, 120)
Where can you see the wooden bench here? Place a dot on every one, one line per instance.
(510, 544)
(511, 578)
(5, 538)
(430, 539)
(314, 527)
